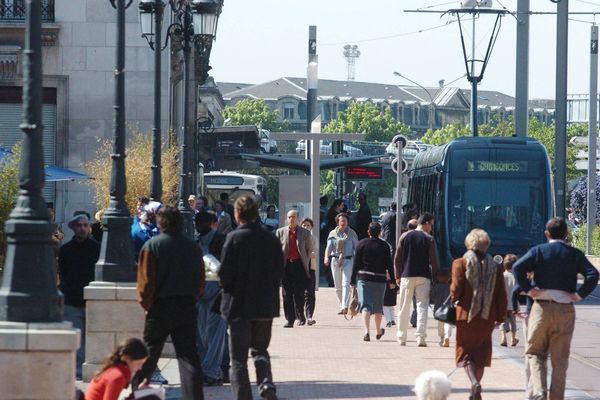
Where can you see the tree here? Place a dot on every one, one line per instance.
(255, 112)
(137, 165)
(9, 182)
(368, 119)
(545, 134)
(446, 134)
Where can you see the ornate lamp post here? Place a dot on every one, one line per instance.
(195, 22)
(151, 16)
(116, 263)
(28, 292)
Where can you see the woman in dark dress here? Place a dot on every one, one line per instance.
(478, 286)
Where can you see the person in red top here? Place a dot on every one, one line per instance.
(117, 369)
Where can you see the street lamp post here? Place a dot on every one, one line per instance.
(116, 262)
(195, 21)
(151, 16)
(28, 292)
(430, 111)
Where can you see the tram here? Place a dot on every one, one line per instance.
(499, 184)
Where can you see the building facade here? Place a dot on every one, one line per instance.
(419, 108)
(79, 56)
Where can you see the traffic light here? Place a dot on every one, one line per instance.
(399, 142)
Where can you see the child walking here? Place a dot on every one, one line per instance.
(510, 324)
(438, 295)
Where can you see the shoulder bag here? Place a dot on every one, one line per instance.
(446, 312)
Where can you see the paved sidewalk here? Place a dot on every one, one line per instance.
(330, 361)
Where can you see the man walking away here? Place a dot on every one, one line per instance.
(415, 252)
(76, 268)
(555, 266)
(212, 329)
(251, 272)
(170, 279)
(388, 227)
(363, 217)
(296, 246)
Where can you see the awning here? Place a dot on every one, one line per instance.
(58, 174)
(53, 173)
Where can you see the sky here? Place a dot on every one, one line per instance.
(262, 40)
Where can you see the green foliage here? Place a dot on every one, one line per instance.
(255, 112)
(446, 134)
(9, 182)
(545, 134)
(368, 119)
(579, 239)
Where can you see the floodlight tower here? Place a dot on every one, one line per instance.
(351, 53)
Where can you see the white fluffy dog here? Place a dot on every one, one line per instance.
(432, 385)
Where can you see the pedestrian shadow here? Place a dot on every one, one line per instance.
(308, 390)
(315, 390)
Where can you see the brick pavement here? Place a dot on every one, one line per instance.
(330, 361)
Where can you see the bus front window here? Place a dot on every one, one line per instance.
(509, 210)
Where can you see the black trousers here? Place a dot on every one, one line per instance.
(309, 297)
(176, 317)
(294, 285)
(254, 336)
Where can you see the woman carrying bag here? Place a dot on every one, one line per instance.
(341, 243)
(478, 287)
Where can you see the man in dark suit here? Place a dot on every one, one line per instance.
(296, 246)
(250, 274)
(555, 266)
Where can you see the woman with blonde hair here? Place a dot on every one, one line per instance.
(478, 287)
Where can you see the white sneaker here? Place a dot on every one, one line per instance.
(421, 342)
(402, 342)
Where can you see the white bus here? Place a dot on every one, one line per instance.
(234, 184)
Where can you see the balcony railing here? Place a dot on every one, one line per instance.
(14, 10)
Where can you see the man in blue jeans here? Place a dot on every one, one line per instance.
(250, 274)
(212, 329)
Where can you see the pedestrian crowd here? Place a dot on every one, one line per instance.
(216, 295)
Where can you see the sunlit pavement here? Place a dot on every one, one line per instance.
(330, 361)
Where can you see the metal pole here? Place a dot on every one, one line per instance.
(116, 263)
(400, 147)
(474, 82)
(522, 70)
(592, 138)
(311, 93)
(155, 178)
(184, 182)
(315, 185)
(560, 158)
(431, 114)
(28, 292)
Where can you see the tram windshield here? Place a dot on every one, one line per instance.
(502, 192)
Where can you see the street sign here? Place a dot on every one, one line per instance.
(360, 173)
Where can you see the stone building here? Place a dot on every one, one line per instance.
(408, 104)
(79, 56)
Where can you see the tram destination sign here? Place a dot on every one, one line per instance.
(497, 166)
(360, 173)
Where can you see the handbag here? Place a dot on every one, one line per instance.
(447, 312)
(353, 305)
